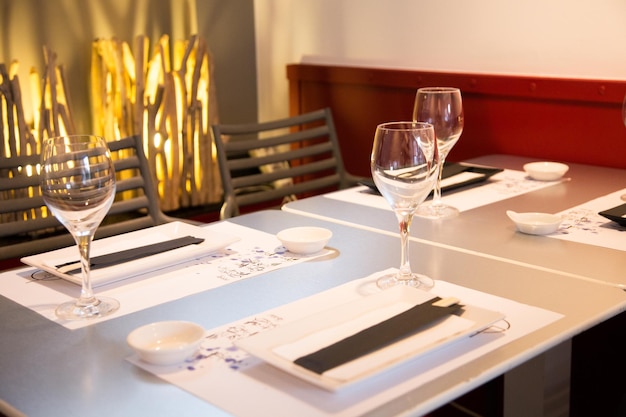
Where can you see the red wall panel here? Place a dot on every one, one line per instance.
(545, 118)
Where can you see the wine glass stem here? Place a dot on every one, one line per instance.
(405, 266)
(86, 293)
(437, 190)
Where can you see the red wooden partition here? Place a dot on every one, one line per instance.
(575, 120)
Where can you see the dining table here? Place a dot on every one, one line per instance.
(54, 367)
(587, 246)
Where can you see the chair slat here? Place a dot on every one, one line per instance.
(277, 193)
(31, 225)
(22, 204)
(285, 156)
(297, 171)
(251, 144)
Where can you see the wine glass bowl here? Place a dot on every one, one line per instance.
(623, 196)
(443, 108)
(624, 111)
(405, 167)
(78, 186)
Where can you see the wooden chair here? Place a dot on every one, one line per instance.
(262, 164)
(27, 227)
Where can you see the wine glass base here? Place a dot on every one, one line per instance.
(74, 310)
(415, 280)
(436, 211)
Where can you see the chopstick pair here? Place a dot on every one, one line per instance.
(379, 335)
(115, 258)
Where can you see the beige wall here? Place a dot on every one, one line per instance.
(562, 38)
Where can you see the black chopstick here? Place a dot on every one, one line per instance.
(377, 336)
(115, 258)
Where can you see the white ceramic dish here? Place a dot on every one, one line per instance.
(166, 342)
(212, 241)
(546, 171)
(280, 345)
(304, 240)
(535, 223)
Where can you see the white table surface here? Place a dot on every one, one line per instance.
(50, 370)
(487, 231)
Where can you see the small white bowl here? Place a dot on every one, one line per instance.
(546, 171)
(535, 223)
(304, 240)
(166, 342)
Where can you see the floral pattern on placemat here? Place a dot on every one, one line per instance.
(583, 224)
(219, 345)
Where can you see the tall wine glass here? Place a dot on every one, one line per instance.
(443, 108)
(623, 196)
(624, 110)
(78, 186)
(405, 166)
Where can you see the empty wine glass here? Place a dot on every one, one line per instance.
(623, 196)
(443, 108)
(624, 110)
(78, 186)
(405, 166)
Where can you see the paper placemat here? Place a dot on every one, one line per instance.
(583, 224)
(506, 184)
(289, 343)
(257, 252)
(241, 385)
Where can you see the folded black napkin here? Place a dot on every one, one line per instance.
(616, 214)
(115, 258)
(377, 336)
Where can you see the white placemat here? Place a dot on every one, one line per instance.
(241, 385)
(257, 252)
(506, 184)
(583, 224)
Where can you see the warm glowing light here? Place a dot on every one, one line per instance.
(165, 98)
(157, 140)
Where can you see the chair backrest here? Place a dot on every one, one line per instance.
(270, 161)
(27, 227)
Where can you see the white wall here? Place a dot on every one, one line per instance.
(561, 38)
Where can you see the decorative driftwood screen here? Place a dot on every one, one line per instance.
(168, 99)
(20, 137)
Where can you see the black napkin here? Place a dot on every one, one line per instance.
(377, 336)
(450, 169)
(115, 258)
(616, 214)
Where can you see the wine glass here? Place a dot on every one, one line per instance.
(405, 167)
(623, 196)
(624, 110)
(78, 186)
(443, 108)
